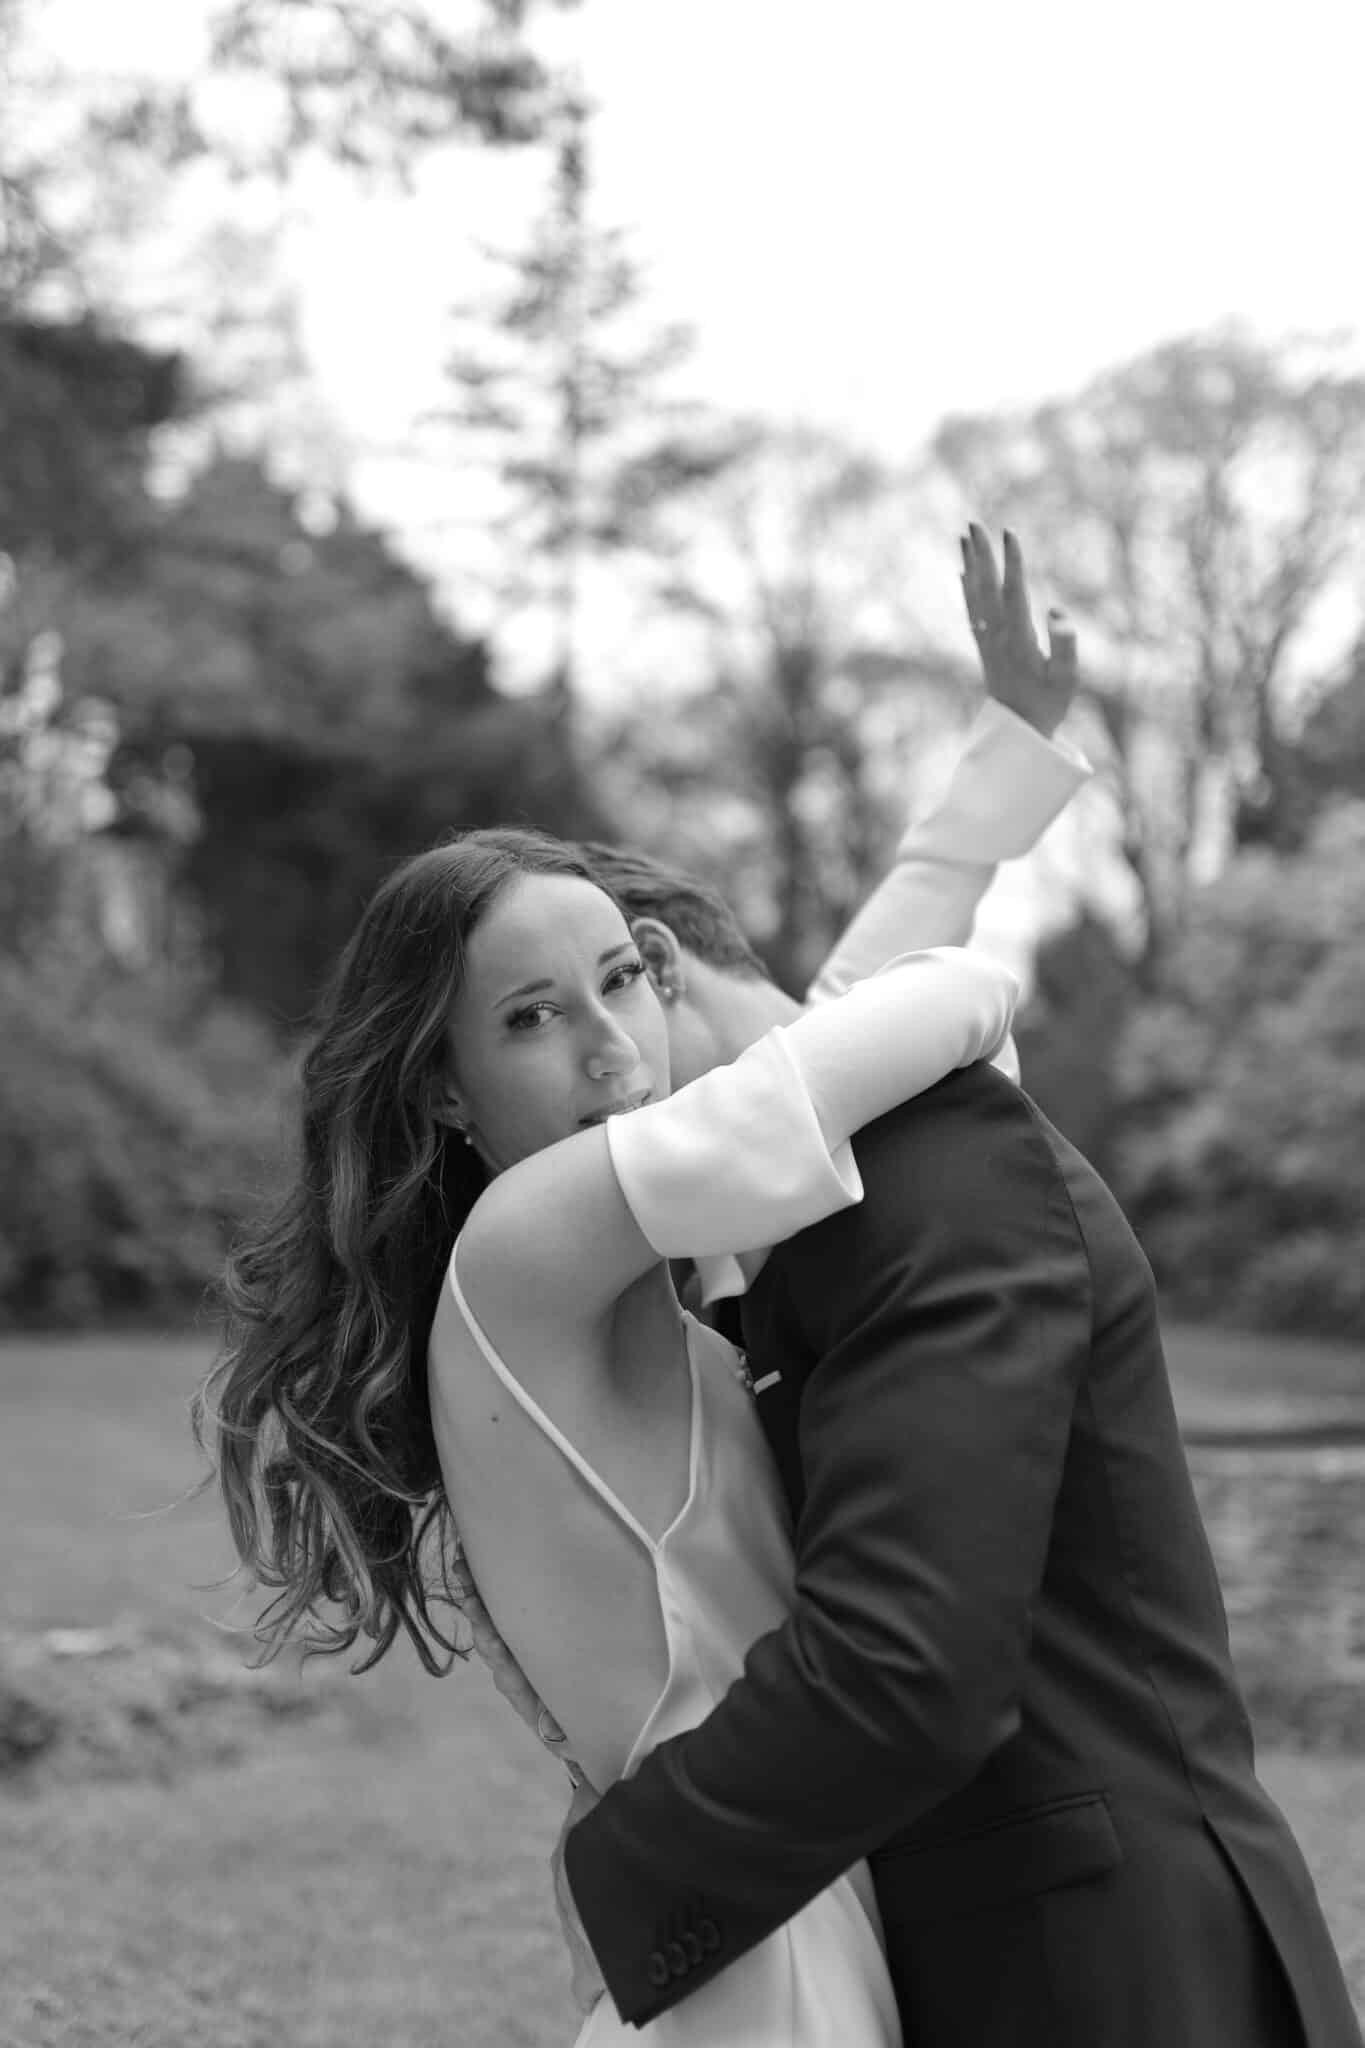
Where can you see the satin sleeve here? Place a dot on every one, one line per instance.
(1009, 785)
(757, 1150)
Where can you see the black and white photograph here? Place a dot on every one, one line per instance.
(682, 1025)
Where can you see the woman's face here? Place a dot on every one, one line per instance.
(556, 1025)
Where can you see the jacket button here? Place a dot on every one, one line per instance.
(658, 1969)
(677, 1958)
(709, 1935)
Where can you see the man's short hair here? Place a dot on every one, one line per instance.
(699, 918)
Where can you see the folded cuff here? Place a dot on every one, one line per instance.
(733, 1163)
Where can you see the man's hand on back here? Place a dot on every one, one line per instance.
(587, 1985)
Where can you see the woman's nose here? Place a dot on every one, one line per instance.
(613, 1050)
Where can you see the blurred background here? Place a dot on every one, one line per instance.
(457, 411)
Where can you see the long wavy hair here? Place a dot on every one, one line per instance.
(316, 1406)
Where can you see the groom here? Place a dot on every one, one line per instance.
(1006, 1677)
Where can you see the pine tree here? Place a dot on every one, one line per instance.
(561, 390)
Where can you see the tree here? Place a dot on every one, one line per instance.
(293, 679)
(786, 761)
(1240, 1157)
(1071, 1029)
(1332, 743)
(1197, 508)
(79, 403)
(82, 157)
(256, 611)
(28, 246)
(292, 840)
(376, 83)
(561, 395)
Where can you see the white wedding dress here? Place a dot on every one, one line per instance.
(723, 1571)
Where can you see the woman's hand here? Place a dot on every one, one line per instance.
(1038, 686)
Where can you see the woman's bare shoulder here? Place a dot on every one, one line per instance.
(492, 1322)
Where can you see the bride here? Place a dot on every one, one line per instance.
(456, 1318)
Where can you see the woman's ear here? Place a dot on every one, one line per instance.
(448, 1108)
(662, 955)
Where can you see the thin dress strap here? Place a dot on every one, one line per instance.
(533, 1409)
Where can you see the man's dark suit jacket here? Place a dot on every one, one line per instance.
(1006, 1679)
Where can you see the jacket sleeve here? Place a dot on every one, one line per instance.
(946, 1323)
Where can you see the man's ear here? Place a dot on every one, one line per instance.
(662, 955)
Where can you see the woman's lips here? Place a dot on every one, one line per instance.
(621, 1108)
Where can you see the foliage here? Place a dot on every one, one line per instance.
(782, 772)
(293, 840)
(1240, 1155)
(126, 1154)
(1071, 1030)
(335, 723)
(1332, 743)
(250, 616)
(225, 711)
(293, 715)
(374, 84)
(84, 156)
(31, 251)
(78, 404)
(1198, 508)
(560, 394)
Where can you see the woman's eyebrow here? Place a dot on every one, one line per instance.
(533, 988)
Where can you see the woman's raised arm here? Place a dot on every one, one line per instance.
(746, 1156)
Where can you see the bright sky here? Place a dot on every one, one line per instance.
(881, 212)
(876, 213)
(872, 213)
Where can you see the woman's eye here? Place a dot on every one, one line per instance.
(629, 971)
(527, 1019)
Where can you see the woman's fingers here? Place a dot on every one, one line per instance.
(1061, 646)
(1018, 617)
(987, 577)
(978, 580)
(1014, 588)
(968, 580)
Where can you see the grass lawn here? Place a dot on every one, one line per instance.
(327, 1889)
(320, 1895)
(334, 1888)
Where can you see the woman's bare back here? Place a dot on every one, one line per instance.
(564, 1472)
